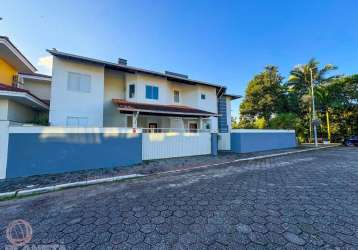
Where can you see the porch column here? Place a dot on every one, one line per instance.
(213, 124)
(200, 123)
(135, 119)
(214, 144)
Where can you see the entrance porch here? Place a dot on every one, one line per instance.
(165, 118)
(169, 124)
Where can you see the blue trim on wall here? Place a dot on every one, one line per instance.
(35, 154)
(253, 142)
(222, 111)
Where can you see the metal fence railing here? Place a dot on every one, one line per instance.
(174, 130)
(143, 130)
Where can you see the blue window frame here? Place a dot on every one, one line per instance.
(151, 92)
(131, 90)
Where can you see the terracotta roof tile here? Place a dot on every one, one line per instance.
(159, 108)
(5, 87)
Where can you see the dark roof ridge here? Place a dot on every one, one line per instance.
(55, 52)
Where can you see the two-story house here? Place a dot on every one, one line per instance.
(96, 93)
(24, 94)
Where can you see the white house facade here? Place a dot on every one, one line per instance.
(93, 93)
(105, 115)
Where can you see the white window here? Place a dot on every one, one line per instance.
(79, 82)
(77, 122)
(176, 96)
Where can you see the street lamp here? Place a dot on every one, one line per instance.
(315, 121)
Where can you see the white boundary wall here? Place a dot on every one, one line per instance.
(224, 141)
(175, 144)
(4, 143)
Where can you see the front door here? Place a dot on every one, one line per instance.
(193, 127)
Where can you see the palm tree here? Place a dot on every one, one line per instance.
(299, 81)
(300, 76)
(325, 100)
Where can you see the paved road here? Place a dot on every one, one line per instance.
(306, 200)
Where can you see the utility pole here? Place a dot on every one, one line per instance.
(314, 115)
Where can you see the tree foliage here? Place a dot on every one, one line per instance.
(285, 121)
(264, 95)
(300, 76)
(288, 105)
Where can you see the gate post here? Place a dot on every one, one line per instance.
(4, 143)
(214, 144)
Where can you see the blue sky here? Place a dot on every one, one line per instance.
(224, 42)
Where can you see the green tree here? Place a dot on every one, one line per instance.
(299, 88)
(349, 87)
(269, 104)
(344, 96)
(234, 123)
(325, 102)
(299, 80)
(264, 96)
(285, 121)
(245, 122)
(288, 121)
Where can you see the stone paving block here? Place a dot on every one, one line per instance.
(262, 204)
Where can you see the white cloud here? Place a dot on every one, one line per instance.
(45, 64)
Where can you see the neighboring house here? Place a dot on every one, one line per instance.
(96, 93)
(24, 94)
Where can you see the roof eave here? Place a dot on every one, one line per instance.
(36, 77)
(6, 41)
(26, 96)
(166, 112)
(233, 97)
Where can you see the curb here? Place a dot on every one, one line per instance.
(243, 159)
(48, 189)
(52, 188)
(7, 194)
(285, 153)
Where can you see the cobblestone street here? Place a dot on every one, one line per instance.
(299, 201)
